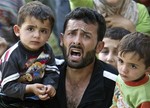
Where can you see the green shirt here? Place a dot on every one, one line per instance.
(143, 24)
(131, 95)
(80, 3)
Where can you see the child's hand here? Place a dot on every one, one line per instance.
(50, 90)
(119, 21)
(39, 90)
(44, 96)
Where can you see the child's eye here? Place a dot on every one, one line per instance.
(120, 61)
(44, 31)
(133, 66)
(105, 51)
(30, 29)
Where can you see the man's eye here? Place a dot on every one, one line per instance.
(72, 33)
(86, 36)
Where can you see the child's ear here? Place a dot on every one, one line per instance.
(16, 30)
(99, 47)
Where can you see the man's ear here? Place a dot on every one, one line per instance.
(16, 30)
(61, 39)
(99, 47)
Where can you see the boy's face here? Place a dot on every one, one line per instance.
(130, 67)
(33, 33)
(109, 52)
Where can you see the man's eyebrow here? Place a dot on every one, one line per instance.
(86, 32)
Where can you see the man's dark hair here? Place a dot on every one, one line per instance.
(89, 16)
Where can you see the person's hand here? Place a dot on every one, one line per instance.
(119, 21)
(39, 90)
(50, 90)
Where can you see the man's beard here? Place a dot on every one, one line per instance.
(85, 61)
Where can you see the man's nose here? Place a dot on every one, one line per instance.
(77, 39)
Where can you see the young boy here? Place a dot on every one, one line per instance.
(111, 39)
(29, 74)
(133, 82)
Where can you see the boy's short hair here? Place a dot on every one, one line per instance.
(116, 33)
(138, 43)
(35, 9)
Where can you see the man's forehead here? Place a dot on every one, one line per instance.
(80, 25)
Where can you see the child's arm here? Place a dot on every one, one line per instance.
(51, 70)
(9, 69)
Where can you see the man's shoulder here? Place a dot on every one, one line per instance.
(106, 66)
(109, 72)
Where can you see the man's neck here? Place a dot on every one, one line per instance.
(78, 75)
